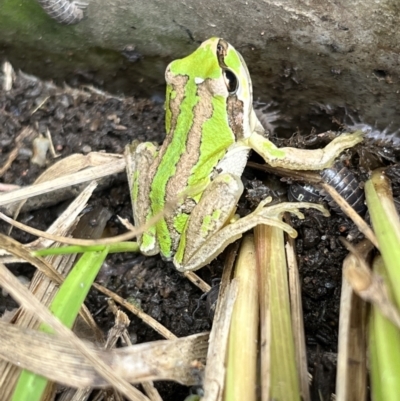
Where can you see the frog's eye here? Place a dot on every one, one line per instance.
(231, 81)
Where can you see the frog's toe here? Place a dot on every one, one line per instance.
(277, 222)
(353, 138)
(293, 207)
(272, 215)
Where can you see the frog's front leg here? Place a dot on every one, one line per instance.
(302, 159)
(210, 230)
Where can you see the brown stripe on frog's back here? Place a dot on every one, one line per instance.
(175, 95)
(206, 144)
(179, 182)
(235, 112)
(173, 108)
(202, 112)
(180, 112)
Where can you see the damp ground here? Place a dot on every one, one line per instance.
(85, 120)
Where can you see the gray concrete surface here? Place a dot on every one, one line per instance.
(309, 56)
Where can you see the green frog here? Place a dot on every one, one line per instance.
(210, 129)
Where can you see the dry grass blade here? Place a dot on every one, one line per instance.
(158, 327)
(214, 376)
(44, 288)
(279, 376)
(119, 330)
(120, 325)
(62, 225)
(215, 369)
(114, 165)
(21, 252)
(122, 321)
(260, 233)
(368, 285)
(8, 76)
(351, 213)
(297, 318)
(51, 148)
(64, 167)
(84, 242)
(30, 303)
(67, 219)
(151, 391)
(25, 133)
(56, 357)
(40, 105)
(241, 374)
(351, 376)
(197, 281)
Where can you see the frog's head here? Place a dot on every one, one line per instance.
(214, 76)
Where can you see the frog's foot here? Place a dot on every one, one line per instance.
(351, 139)
(339, 144)
(272, 215)
(219, 240)
(303, 159)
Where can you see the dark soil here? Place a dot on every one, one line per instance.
(84, 121)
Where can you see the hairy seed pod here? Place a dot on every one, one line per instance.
(64, 11)
(340, 178)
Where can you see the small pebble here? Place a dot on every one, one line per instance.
(86, 149)
(25, 153)
(40, 147)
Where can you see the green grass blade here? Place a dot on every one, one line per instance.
(384, 347)
(65, 306)
(386, 225)
(73, 291)
(128, 246)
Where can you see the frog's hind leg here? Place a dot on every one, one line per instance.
(139, 157)
(215, 209)
(216, 242)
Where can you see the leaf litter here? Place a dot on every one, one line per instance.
(85, 120)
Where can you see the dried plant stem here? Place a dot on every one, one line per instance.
(242, 352)
(351, 377)
(279, 377)
(297, 318)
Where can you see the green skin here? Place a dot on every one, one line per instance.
(211, 127)
(202, 65)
